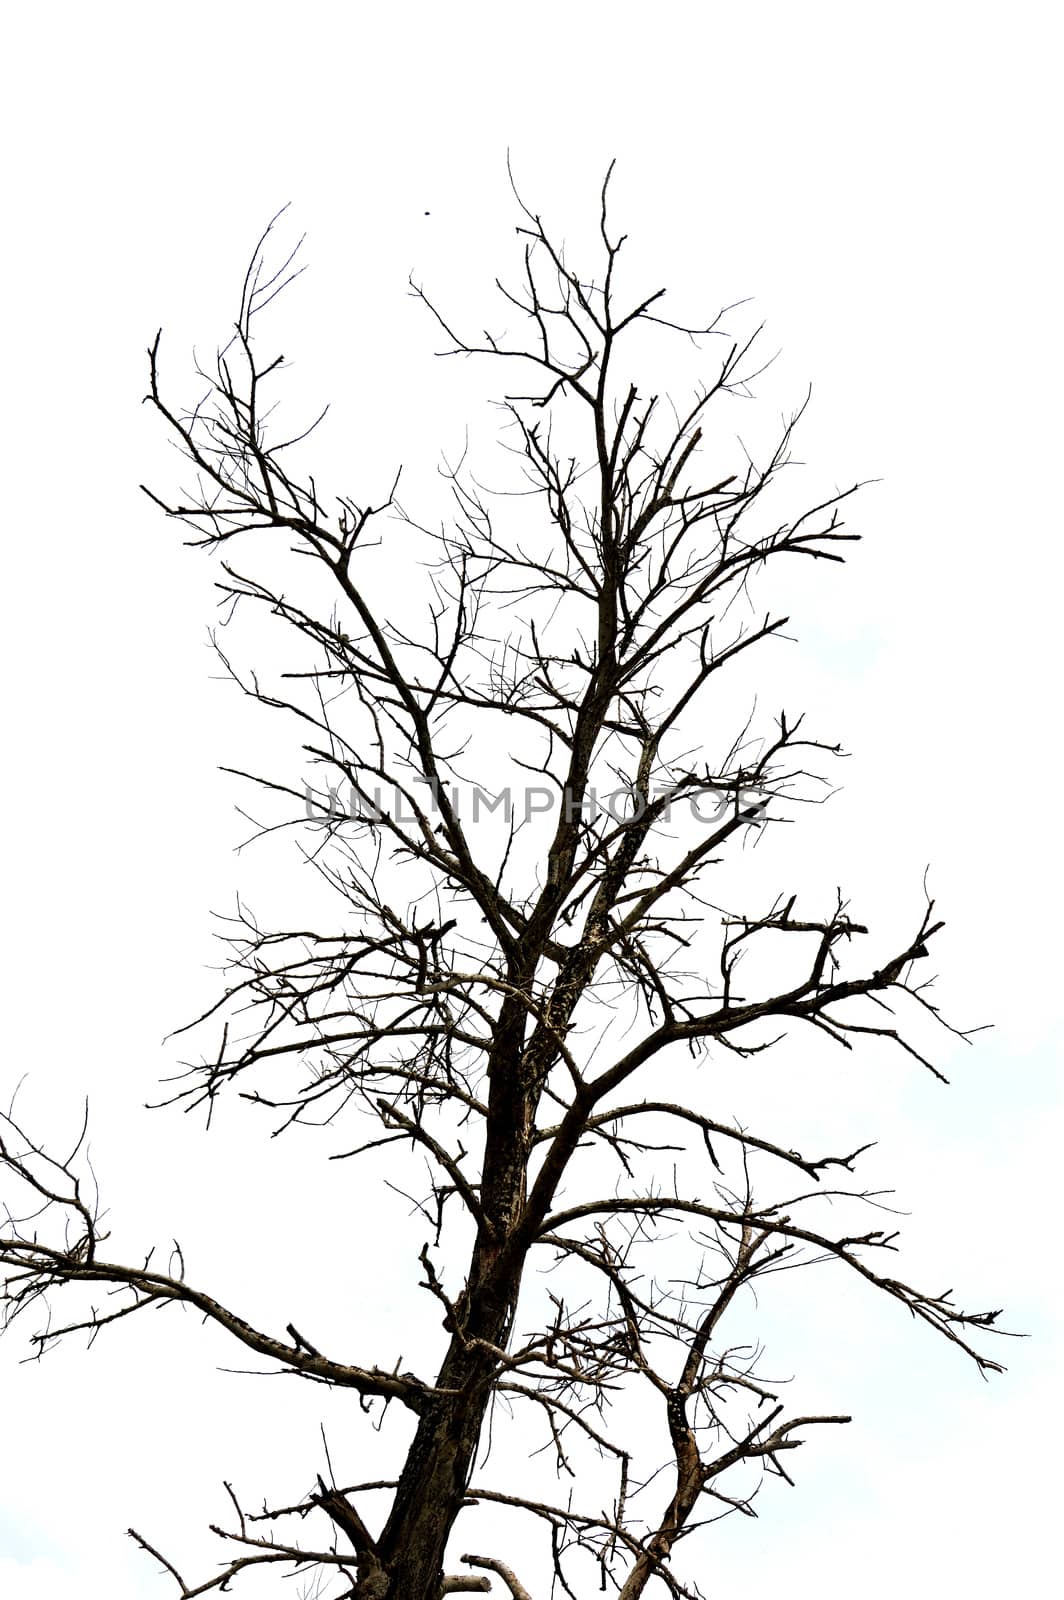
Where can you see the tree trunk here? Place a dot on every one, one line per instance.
(436, 1474)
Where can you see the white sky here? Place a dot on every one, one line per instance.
(884, 183)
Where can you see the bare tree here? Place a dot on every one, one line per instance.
(536, 1020)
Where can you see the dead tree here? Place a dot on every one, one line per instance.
(528, 996)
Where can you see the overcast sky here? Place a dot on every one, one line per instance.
(882, 184)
